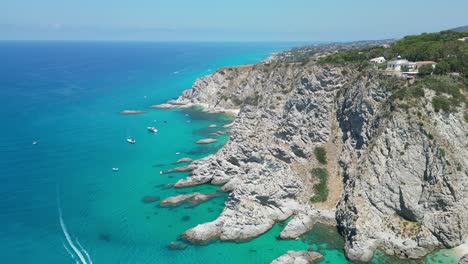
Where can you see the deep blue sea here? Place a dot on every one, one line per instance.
(60, 201)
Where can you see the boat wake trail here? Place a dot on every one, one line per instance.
(88, 257)
(69, 253)
(75, 252)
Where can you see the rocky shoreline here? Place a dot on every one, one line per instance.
(390, 185)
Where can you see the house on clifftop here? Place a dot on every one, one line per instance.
(404, 68)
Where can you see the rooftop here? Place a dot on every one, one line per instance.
(425, 62)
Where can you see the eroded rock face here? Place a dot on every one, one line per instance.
(404, 176)
(285, 112)
(405, 187)
(464, 260)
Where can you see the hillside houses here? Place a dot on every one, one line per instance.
(404, 68)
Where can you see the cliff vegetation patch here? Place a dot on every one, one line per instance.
(321, 188)
(321, 155)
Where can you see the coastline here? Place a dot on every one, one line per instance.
(205, 108)
(119, 219)
(225, 228)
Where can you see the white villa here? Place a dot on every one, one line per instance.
(396, 65)
(378, 60)
(405, 68)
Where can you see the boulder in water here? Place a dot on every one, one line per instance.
(176, 246)
(206, 141)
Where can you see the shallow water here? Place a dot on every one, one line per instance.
(66, 96)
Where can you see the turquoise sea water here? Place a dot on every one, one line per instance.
(60, 202)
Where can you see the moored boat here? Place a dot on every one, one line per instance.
(152, 129)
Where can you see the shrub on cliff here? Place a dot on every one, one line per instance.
(321, 188)
(441, 103)
(321, 155)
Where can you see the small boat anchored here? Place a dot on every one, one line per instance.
(131, 140)
(115, 169)
(152, 129)
(35, 142)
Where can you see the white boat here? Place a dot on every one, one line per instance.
(115, 169)
(131, 140)
(152, 129)
(35, 142)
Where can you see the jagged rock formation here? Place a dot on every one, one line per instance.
(404, 171)
(406, 176)
(464, 260)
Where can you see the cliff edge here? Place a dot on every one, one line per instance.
(396, 177)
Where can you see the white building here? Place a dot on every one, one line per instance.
(396, 65)
(405, 68)
(378, 60)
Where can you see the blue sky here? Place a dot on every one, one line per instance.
(241, 20)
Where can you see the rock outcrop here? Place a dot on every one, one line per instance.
(132, 112)
(206, 141)
(298, 257)
(464, 260)
(405, 173)
(193, 198)
(397, 176)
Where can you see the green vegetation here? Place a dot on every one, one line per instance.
(443, 48)
(449, 92)
(321, 155)
(442, 152)
(449, 95)
(441, 103)
(430, 136)
(321, 188)
(425, 70)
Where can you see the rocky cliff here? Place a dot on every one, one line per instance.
(396, 176)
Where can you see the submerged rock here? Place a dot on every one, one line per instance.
(180, 169)
(150, 199)
(206, 141)
(132, 112)
(163, 106)
(183, 160)
(176, 246)
(193, 199)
